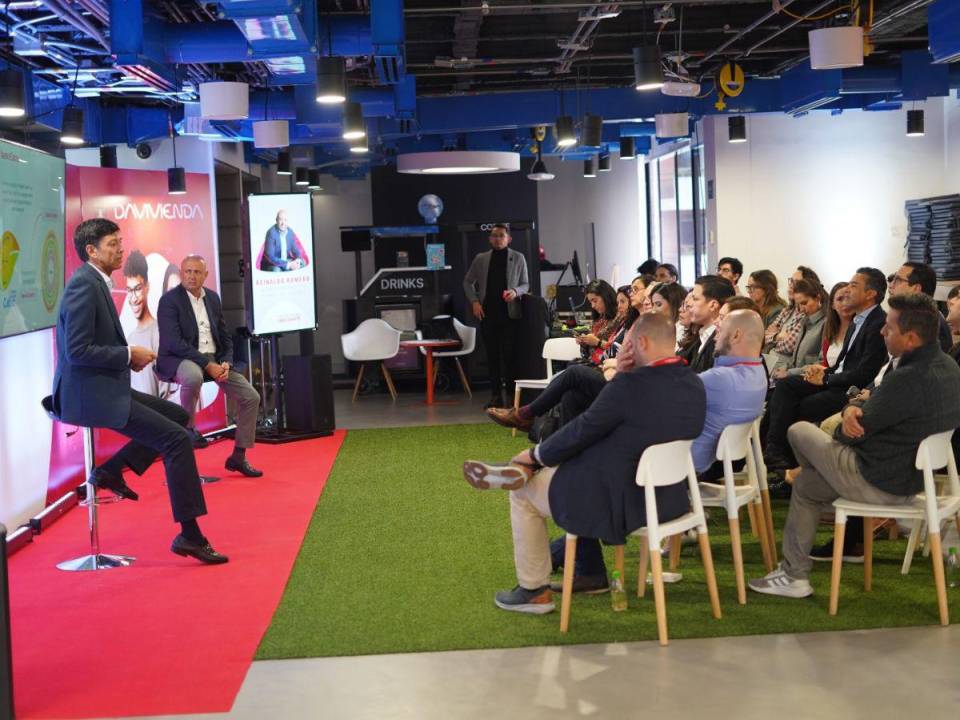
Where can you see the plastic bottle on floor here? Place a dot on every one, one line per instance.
(618, 597)
(953, 569)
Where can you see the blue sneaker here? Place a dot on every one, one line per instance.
(534, 602)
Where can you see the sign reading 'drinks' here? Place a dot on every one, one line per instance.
(401, 282)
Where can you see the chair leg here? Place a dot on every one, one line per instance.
(936, 554)
(675, 543)
(618, 560)
(516, 405)
(911, 547)
(867, 554)
(436, 369)
(839, 529)
(569, 559)
(389, 378)
(706, 555)
(893, 531)
(463, 378)
(644, 561)
(738, 559)
(768, 518)
(764, 537)
(754, 526)
(356, 387)
(659, 597)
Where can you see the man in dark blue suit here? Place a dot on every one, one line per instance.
(281, 248)
(196, 346)
(587, 483)
(91, 387)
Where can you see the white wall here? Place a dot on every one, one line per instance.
(824, 191)
(615, 202)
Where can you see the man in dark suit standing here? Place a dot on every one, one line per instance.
(706, 299)
(91, 387)
(281, 248)
(820, 392)
(588, 480)
(195, 346)
(493, 286)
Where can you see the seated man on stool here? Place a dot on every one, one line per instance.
(871, 457)
(588, 484)
(91, 388)
(194, 346)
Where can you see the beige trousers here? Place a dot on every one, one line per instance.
(529, 510)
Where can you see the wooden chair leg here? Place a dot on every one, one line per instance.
(867, 554)
(764, 538)
(618, 562)
(356, 387)
(911, 547)
(569, 560)
(839, 529)
(659, 597)
(768, 516)
(463, 378)
(516, 405)
(936, 554)
(706, 555)
(389, 378)
(893, 531)
(754, 525)
(675, 544)
(644, 561)
(738, 560)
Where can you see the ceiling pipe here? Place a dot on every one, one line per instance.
(561, 7)
(750, 28)
(793, 23)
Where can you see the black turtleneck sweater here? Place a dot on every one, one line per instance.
(493, 305)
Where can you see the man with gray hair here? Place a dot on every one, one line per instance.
(195, 346)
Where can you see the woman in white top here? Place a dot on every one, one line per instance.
(839, 317)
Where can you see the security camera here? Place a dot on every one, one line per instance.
(144, 150)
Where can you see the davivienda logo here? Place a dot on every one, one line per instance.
(158, 211)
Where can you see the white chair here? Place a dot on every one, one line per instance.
(468, 342)
(554, 349)
(734, 444)
(934, 452)
(660, 465)
(373, 340)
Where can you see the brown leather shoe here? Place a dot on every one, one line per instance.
(509, 417)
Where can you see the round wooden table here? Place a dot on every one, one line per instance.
(428, 347)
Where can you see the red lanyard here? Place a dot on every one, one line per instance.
(668, 361)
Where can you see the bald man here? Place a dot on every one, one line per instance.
(195, 346)
(587, 476)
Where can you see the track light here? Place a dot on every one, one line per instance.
(176, 181)
(628, 148)
(12, 99)
(737, 129)
(914, 123)
(313, 180)
(565, 133)
(603, 163)
(592, 134)
(283, 163)
(353, 127)
(647, 68)
(359, 147)
(108, 156)
(331, 80)
(302, 177)
(590, 167)
(71, 131)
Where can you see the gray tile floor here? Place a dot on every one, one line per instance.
(409, 409)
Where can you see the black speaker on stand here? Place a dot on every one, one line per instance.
(308, 400)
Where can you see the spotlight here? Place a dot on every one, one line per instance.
(302, 177)
(592, 135)
(331, 80)
(353, 127)
(590, 168)
(71, 132)
(914, 123)
(359, 147)
(836, 47)
(628, 148)
(283, 163)
(603, 165)
(313, 180)
(647, 68)
(737, 129)
(176, 181)
(12, 99)
(565, 134)
(108, 156)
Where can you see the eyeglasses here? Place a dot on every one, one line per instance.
(896, 280)
(751, 288)
(136, 289)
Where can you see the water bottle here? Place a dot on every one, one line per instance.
(618, 597)
(953, 569)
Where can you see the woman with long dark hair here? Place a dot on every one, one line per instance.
(763, 290)
(839, 315)
(603, 306)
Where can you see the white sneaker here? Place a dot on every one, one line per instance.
(779, 583)
(484, 476)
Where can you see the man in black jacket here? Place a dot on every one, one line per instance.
(706, 299)
(820, 392)
(871, 457)
(587, 483)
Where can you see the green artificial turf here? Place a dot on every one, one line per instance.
(402, 555)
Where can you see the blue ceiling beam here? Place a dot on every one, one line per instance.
(943, 30)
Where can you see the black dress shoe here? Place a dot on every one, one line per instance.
(775, 461)
(198, 440)
(101, 479)
(204, 553)
(242, 467)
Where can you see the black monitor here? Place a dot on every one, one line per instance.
(575, 268)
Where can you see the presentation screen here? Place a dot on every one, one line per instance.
(31, 239)
(281, 254)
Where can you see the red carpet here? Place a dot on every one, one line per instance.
(167, 635)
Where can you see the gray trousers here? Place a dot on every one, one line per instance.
(828, 470)
(190, 377)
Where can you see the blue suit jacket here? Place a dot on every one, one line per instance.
(272, 250)
(91, 386)
(180, 336)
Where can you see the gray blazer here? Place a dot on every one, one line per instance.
(475, 281)
(809, 348)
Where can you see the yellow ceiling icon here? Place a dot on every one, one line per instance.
(9, 251)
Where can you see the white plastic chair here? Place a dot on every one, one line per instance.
(660, 465)
(554, 349)
(468, 342)
(373, 340)
(734, 444)
(934, 452)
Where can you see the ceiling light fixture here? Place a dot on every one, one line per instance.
(590, 168)
(283, 163)
(628, 148)
(647, 68)
(271, 134)
(538, 171)
(71, 131)
(914, 123)
(592, 132)
(359, 147)
(671, 125)
(566, 136)
(603, 163)
(458, 162)
(836, 47)
(224, 101)
(108, 156)
(302, 177)
(12, 97)
(176, 176)
(313, 180)
(331, 80)
(353, 127)
(737, 129)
